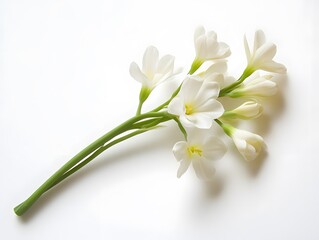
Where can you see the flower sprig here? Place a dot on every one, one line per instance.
(194, 106)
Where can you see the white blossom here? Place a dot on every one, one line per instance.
(201, 149)
(207, 47)
(247, 110)
(248, 144)
(261, 56)
(255, 86)
(219, 69)
(196, 104)
(154, 70)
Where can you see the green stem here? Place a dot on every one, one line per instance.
(195, 65)
(96, 148)
(247, 72)
(228, 129)
(95, 154)
(179, 124)
(127, 125)
(142, 124)
(144, 94)
(150, 123)
(139, 108)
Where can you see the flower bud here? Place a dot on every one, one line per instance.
(248, 110)
(248, 144)
(255, 86)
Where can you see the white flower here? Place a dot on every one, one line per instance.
(255, 86)
(201, 149)
(248, 110)
(207, 47)
(154, 70)
(248, 144)
(262, 55)
(219, 69)
(216, 71)
(196, 103)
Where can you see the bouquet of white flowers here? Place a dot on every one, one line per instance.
(194, 106)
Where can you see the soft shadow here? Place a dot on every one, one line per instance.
(214, 188)
(164, 139)
(274, 108)
(255, 166)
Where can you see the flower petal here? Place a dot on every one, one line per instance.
(213, 107)
(184, 164)
(263, 89)
(212, 49)
(265, 53)
(216, 78)
(248, 54)
(190, 88)
(219, 67)
(210, 88)
(201, 47)
(247, 110)
(200, 120)
(272, 66)
(252, 78)
(150, 61)
(136, 73)
(166, 64)
(224, 50)
(203, 170)
(179, 150)
(186, 120)
(208, 169)
(211, 35)
(259, 39)
(176, 106)
(248, 144)
(199, 31)
(214, 149)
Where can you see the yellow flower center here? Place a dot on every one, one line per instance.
(194, 150)
(189, 109)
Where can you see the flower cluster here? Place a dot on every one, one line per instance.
(195, 105)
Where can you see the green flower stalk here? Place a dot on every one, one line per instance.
(193, 106)
(93, 150)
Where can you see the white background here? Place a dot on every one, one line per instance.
(64, 81)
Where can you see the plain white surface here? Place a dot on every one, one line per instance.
(64, 81)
